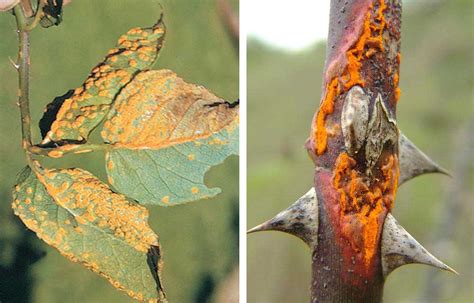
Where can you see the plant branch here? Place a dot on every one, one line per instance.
(23, 68)
(38, 15)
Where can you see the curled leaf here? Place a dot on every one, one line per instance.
(81, 112)
(166, 134)
(74, 212)
(51, 111)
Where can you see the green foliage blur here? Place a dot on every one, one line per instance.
(199, 240)
(436, 105)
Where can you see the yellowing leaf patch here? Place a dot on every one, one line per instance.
(73, 211)
(73, 116)
(159, 109)
(166, 134)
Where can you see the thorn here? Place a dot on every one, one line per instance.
(413, 162)
(261, 227)
(14, 64)
(300, 219)
(400, 248)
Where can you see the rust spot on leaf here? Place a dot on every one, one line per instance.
(158, 109)
(55, 154)
(94, 202)
(78, 206)
(72, 116)
(110, 164)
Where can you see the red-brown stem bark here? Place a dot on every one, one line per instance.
(355, 192)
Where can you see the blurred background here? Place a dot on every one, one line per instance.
(436, 111)
(200, 239)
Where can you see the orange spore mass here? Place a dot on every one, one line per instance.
(369, 43)
(326, 108)
(363, 204)
(159, 109)
(93, 203)
(396, 80)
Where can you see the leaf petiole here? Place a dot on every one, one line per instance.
(60, 151)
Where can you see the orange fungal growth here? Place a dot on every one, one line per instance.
(397, 93)
(326, 108)
(67, 207)
(55, 154)
(95, 204)
(390, 172)
(135, 52)
(369, 43)
(396, 88)
(364, 204)
(146, 115)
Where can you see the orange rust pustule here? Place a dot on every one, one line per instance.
(367, 63)
(326, 108)
(354, 195)
(361, 209)
(396, 79)
(175, 112)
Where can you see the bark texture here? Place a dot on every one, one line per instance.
(360, 158)
(354, 145)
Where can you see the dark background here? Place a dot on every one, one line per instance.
(200, 239)
(435, 111)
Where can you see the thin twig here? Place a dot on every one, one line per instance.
(23, 63)
(38, 15)
(23, 67)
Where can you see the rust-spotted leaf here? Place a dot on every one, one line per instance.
(74, 116)
(166, 134)
(74, 212)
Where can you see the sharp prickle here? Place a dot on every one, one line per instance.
(400, 248)
(413, 162)
(13, 63)
(300, 219)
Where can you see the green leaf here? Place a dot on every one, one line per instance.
(74, 116)
(74, 212)
(165, 134)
